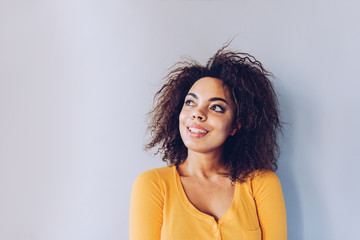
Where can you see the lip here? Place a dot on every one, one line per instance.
(196, 134)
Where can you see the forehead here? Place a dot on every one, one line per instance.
(209, 87)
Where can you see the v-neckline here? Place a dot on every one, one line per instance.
(204, 216)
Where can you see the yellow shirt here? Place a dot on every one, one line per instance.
(160, 210)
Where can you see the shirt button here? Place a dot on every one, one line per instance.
(215, 226)
(216, 234)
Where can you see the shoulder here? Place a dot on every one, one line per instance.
(262, 176)
(264, 181)
(151, 185)
(154, 176)
(265, 184)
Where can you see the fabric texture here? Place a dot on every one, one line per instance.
(160, 210)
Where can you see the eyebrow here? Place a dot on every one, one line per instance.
(211, 99)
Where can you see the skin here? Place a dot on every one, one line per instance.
(209, 107)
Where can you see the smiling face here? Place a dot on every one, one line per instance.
(207, 116)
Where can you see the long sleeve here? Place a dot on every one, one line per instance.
(270, 205)
(146, 207)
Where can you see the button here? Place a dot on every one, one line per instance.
(217, 237)
(216, 234)
(215, 226)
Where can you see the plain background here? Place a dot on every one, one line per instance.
(78, 77)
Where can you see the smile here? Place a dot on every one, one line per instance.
(196, 130)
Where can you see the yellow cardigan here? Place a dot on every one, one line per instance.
(160, 210)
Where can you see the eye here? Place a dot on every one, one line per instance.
(189, 102)
(217, 108)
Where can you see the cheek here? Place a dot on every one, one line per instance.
(182, 116)
(226, 127)
(181, 120)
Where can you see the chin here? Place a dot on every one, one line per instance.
(203, 148)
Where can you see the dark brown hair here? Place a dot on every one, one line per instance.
(254, 146)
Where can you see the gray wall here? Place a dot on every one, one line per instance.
(77, 78)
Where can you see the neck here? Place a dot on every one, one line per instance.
(203, 165)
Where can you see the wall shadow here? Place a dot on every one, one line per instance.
(307, 217)
(286, 171)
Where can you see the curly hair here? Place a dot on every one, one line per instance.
(254, 146)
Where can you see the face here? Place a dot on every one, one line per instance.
(206, 119)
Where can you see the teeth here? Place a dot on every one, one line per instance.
(196, 130)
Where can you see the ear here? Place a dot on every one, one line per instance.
(236, 128)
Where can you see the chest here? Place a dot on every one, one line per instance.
(192, 215)
(212, 198)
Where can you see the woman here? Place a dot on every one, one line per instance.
(216, 127)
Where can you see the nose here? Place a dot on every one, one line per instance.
(199, 115)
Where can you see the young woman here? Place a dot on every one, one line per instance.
(216, 127)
